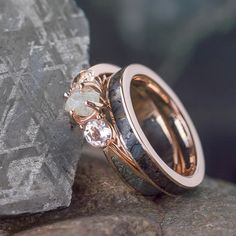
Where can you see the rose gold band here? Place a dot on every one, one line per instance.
(151, 140)
(183, 122)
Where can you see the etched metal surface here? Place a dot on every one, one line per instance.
(42, 45)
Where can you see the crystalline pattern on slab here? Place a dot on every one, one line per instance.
(43, 44)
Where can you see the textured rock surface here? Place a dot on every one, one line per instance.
(103, 205)
(42, 44)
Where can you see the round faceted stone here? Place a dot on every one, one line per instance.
(97, 132)
(77, 101)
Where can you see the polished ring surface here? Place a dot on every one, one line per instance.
(143, 128)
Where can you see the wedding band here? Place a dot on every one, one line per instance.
(143, 128)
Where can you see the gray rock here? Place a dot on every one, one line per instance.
(103, 205)
(42, 45)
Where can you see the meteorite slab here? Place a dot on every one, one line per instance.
(42, 45)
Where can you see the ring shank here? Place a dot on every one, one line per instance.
(145, 110)
(163, 124)
(153, 125)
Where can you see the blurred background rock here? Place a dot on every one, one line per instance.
(192, 45)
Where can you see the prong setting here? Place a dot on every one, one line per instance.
(86, 105)
(98, 132)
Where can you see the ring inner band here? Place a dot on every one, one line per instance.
(163, 124)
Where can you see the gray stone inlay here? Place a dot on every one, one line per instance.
(43, 44)
(132, 179)
(131, 142)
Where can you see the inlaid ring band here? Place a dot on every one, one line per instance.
(143, 128)
(140, 100)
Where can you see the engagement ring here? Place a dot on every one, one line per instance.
(141, 125)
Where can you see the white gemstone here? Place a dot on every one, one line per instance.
(97, 132)
(87, 75)
(77, 101)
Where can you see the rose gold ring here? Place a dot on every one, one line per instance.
(143, 128)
